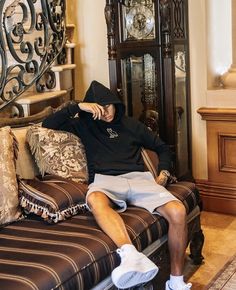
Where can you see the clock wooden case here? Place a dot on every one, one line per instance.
(149, 68)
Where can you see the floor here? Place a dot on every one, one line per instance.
(219, 247)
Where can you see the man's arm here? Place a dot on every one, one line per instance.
(60, 119)
(95, 109)
(163, 177)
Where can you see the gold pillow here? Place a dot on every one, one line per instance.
(58, 153)
(25, 163)
(9, 203)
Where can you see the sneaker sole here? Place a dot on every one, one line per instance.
(170, 288)
(133, 278)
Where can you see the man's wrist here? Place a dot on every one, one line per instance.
(166, 173)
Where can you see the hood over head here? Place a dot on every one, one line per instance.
(98, 93)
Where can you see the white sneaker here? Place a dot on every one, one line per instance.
(184, 286)
(135, 268)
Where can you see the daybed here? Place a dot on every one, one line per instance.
(74, 253)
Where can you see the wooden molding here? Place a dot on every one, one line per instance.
(227, 157)
(217, 197)
(217, 114)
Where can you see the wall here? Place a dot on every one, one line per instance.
(92, 63)
(219, 39)
(91, 49)
(198, 70)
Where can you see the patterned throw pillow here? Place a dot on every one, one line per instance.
(9, 203)
(58, 153)
(53, 198)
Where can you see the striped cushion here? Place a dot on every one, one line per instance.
(53, 198)
(76, 253)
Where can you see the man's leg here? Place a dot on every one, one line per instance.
(108, 219)
(174, 212)
(135, 267)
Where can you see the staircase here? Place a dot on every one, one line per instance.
(37, 51)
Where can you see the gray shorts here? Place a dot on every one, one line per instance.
(134, 188)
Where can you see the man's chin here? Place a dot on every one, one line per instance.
(108, 120)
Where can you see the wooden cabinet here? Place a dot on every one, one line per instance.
(149, 68)
(219, 191)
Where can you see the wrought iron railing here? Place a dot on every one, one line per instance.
(32, 35)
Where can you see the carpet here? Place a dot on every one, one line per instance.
(226, 278)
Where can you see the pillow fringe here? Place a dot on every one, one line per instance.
(30, 207)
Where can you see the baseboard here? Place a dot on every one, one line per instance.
(217, 197)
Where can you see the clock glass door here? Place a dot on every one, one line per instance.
(140, 89)
(181, 109)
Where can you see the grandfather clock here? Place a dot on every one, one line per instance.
(149, 68)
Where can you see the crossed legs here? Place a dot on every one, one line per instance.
(174, 212)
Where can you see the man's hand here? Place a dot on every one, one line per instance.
(95, 109)
(162, 178)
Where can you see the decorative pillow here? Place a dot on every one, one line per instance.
(9, 203)
(26, 166)
(58, 153)
(53, 198)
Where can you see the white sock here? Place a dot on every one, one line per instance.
(176, 280)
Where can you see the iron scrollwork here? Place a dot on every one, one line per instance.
(32, 35)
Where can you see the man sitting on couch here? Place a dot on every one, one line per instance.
(113, 144)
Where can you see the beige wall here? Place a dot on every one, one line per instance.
(91, 60)
(204, 66)
(198, 60)
(91, 43)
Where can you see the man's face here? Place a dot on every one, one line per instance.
(109, 113)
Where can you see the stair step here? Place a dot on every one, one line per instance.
(70, 45)
(33, 103)
(63, 67)
(31, 98)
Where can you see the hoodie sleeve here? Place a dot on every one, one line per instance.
(61, 120)
(151, 140)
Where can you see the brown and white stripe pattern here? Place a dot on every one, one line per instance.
(73, 254)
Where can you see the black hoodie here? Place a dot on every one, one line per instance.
(111, 147)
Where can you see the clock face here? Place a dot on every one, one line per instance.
(139, 22)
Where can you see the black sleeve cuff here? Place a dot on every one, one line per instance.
(73, 109)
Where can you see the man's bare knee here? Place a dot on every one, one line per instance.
(178, 214)
(174, 212)
(98, 200)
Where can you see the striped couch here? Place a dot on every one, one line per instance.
(76, 254)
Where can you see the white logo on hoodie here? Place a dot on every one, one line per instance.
(112, 134)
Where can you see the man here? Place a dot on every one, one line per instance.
(113, 145)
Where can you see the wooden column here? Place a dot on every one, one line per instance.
(219, 191)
